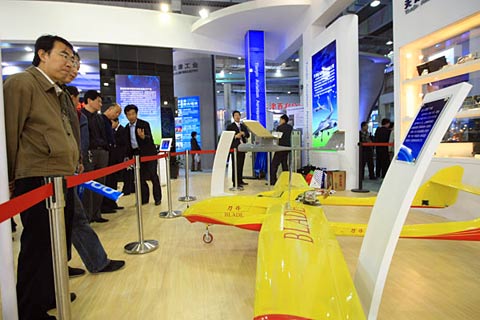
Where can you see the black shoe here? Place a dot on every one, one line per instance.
(100, 220)
(243, 183)
(75, 272)
(53, 305)
(119, 208)
(108, 210)
(159, 202)
(112, 266)
(373, 178)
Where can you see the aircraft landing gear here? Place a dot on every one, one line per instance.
(207, 236)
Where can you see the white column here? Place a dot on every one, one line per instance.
(7, 275)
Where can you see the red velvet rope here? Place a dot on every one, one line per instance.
(377, 144)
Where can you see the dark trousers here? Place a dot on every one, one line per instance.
(383, 161)
(239, 173)
(35, 284)
(367, 159)
(91, 200)
(148, 171)
(280, 157)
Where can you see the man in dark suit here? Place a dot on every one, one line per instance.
(241, 136)
(140, 142)
(382, 134)
(281, 157)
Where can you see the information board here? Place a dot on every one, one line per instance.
(144, 92)
(187, 121)
(324, 95)
(420, 130)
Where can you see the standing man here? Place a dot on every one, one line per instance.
(241, 136)
(140, 142)
(196, 163)
(367, 152)
(383, 159)
(97, 157)
(281, 157)
(40, 143)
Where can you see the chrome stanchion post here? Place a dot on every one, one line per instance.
(235, 175)
(187, 197)
(141, 246)
(55, 205)
(170, 213)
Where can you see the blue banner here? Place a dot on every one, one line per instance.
(188, 120)
(420, 130)
(255, 76)
(324, 95)
(144, 92)
(102, 190)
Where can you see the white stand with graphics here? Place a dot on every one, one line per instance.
(398, 190)
(217, 185)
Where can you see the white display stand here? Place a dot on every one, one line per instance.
(217, 185)
(394, 200)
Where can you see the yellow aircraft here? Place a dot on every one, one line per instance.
(301, 271)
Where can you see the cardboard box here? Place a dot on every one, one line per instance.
(337, 180)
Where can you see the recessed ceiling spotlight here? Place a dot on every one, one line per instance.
(297, 59)
(278, 98)
(28, 49)
(289, 92)
(389, 43)
(203, 13)
(164, 7)
(374, 3)
(104, 66)
(165, 102)
(106, 84)
(239, 58)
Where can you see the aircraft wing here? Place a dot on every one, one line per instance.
(455, 230)
(301, 271)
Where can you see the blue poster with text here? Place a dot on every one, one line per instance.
(255, 76)
(324, 95)
(187, 121)
(144, 92)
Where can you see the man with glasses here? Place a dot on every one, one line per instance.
(40, 142)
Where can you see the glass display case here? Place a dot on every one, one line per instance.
(444, 58)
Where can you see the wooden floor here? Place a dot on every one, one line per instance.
(187, 279)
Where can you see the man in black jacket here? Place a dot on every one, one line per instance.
(382, 134)
(281, 157)
(140, 142)
(241, 136)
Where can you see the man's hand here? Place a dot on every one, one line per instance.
(81, 168)
(141, 133)
(11, 187)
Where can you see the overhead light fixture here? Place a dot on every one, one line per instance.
(164, 7)
(389, 43)
(230, 72)
(289, 92)
(278, 73)
(218, 91)
(239, 58)
(374, 3)
(203, 13)
(278, 98)
(104, 66)
(297, 59)
(28, 49)
(106, 84)
(165, 103)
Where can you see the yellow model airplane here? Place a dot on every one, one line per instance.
(301, 271)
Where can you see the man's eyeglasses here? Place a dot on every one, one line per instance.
(67, 57)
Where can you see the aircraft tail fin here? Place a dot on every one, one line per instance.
(441, 190)
(297, 181)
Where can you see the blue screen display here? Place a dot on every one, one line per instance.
(144, 92)
(420, 130)
(188, 120)
(255, 76)
(324, 95)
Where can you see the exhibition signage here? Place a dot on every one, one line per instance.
(255, 76)
(398, 190)
(187, 121)
(411, 5)
(144, 92)
(324, 95)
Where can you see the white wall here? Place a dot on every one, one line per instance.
(345, 32)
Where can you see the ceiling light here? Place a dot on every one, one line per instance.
(164, 7)
(203, 13)
(165, 103)
(104, 66)
(278, 98)
(239, 58)
(106, 84)
(289, 92)
(218, 91)
(374, 3)
(297, 59)
(230, 72)
(389, 43)
(28, 49)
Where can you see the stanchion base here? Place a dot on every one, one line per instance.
(141, 247)
(186, 199)
(170, 214)
(236, 188)
(361, 190)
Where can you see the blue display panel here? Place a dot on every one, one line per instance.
(420, 130)
(188, 120)
(255, 76)
(324, 95)
(144, 92)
